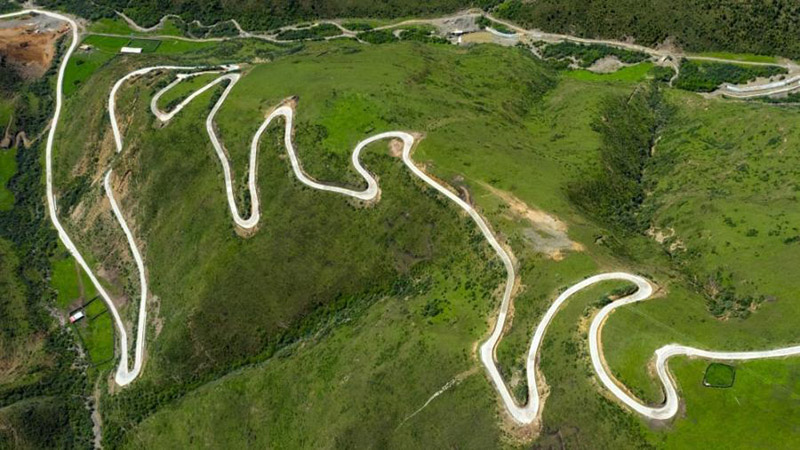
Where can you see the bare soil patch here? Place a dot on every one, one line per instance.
(608, 64)
(29, 45)
(547, 233)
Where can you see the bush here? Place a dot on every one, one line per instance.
(586, 55)
(707, 76)
(377, 36)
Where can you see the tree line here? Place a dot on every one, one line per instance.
(614, 190)
(695, 25)
(749, 26)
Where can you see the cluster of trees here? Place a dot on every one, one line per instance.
(629, 126)
(722, 299)
(357, 26)
(27, 227)
(707, 76)
(587, 54)
(222, 29)
(762, 27)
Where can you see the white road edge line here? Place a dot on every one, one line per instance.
(522, 414)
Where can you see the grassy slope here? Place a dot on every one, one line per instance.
(171, 98)
(8, 167)
(373, 93)
(742, 27)
(351, 107)
(295, 231)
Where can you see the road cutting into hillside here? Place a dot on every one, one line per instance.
(524, 414)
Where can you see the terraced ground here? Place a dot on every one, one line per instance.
(245, 352)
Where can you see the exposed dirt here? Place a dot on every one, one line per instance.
(28, 45)
(608, 64)
(548, 234)
(396, 148)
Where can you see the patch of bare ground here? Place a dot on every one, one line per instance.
(517, 435)
(479, 37)
(669, 45)
(154, 314)
(606, 64)
(395, 148)
(547, 234)
(666, 237)
(29, 45)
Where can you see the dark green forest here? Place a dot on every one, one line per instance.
(748, 26)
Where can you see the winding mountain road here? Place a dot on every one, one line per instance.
(524, 414)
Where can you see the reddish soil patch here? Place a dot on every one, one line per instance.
(29, 49)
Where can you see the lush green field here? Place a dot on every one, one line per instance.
(97, 334)
(74, 290)
(756, 412)
(104, 48)
(147, 45)
(65, 281)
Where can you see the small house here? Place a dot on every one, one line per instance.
(76, 316)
